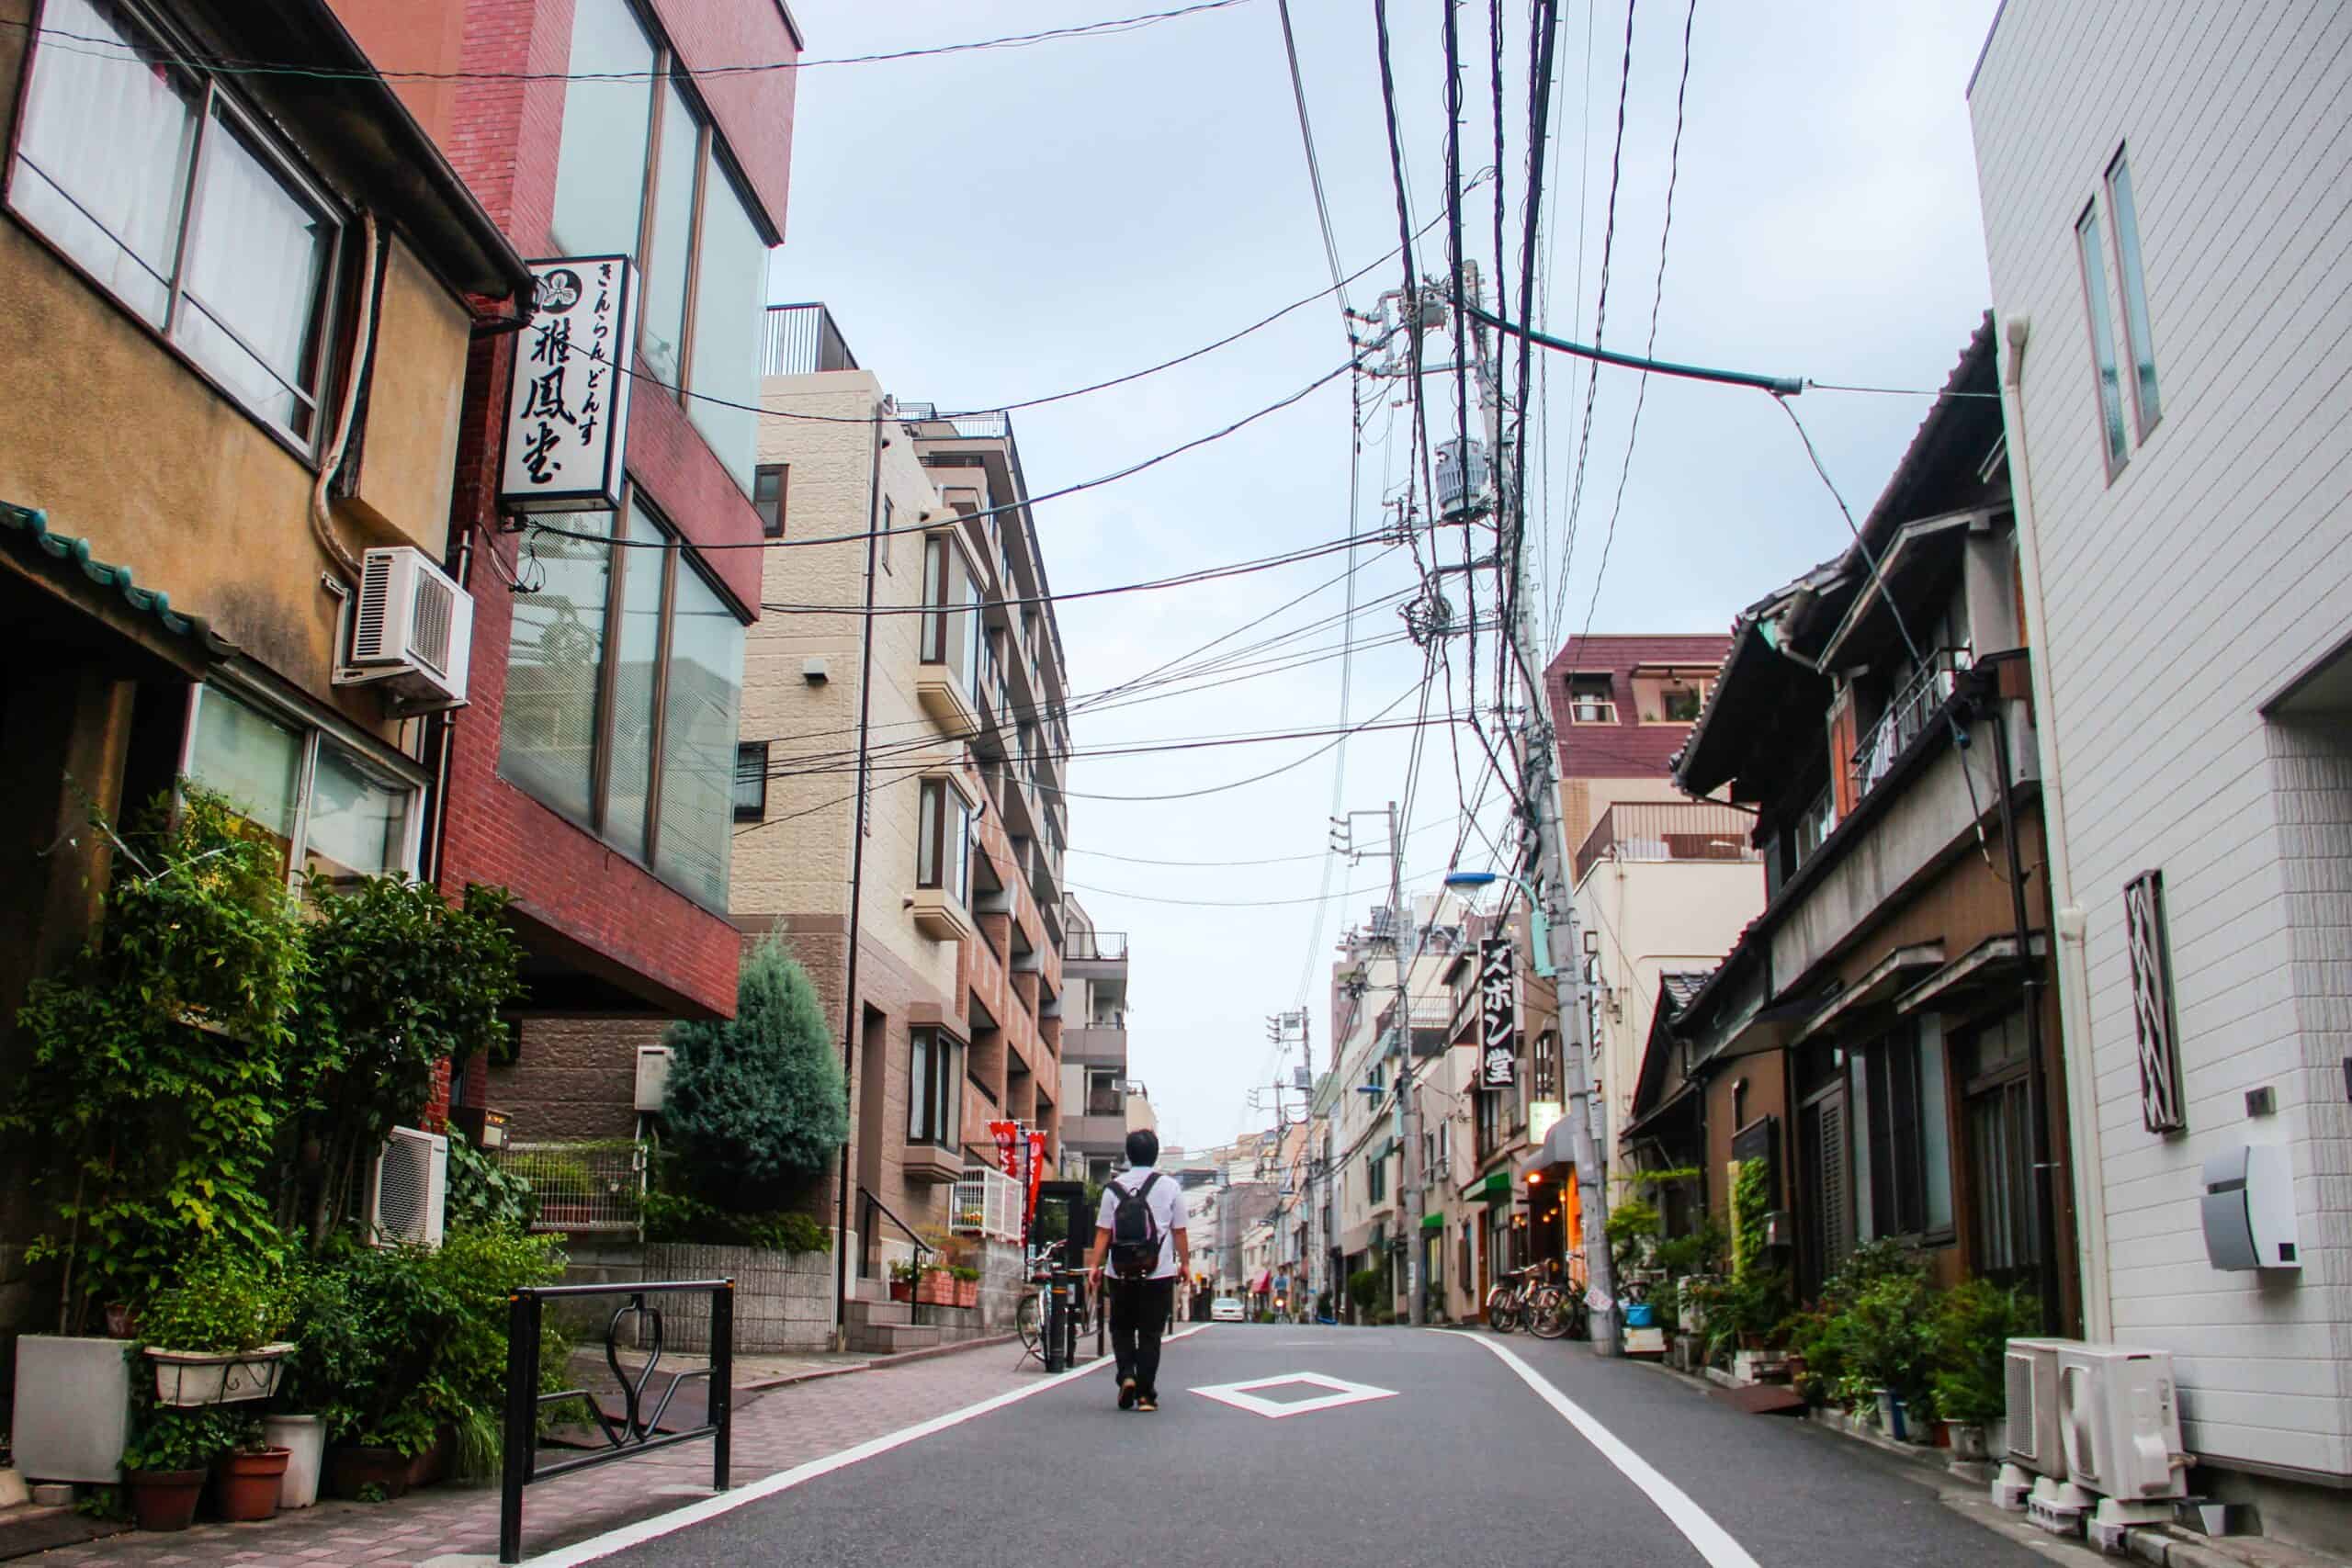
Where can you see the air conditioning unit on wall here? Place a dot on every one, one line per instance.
(412, 632)
(653, 1077)
(2120, 1422)
(2030, 1369)
(408, 1189)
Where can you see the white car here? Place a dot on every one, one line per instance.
(1227, 1309)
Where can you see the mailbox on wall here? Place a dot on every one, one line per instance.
(2249, 1209)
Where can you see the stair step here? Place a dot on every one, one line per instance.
(881, 1313)
(890, 1338)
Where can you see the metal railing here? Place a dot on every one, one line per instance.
(991, 424)
(638, 1431)
(1908, 713)
(1106, 945)
(869, 1207)
(1667, 830)
(802, 340)
(987, 1203)
(581, 1188)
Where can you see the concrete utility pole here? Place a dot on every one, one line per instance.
(1538, 777)
(1408, 944)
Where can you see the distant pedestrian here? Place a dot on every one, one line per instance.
(1140, 1233)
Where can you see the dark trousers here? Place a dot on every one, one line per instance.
(1140, 1310)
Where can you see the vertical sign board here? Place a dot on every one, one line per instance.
(567, 399)
(2151, 1014)
(1497, 1013)
(1005, 1133)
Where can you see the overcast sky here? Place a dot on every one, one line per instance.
(995, 226)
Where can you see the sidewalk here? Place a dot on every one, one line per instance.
(823, 1405)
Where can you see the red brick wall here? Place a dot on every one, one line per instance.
(1628, 748)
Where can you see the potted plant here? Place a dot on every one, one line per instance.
(968, 1285)
(165, 1464)
(247, 1477)
(212, 1331)
(1974, 1324)
(934, 1287)
(1890, 1343)
(902, 1281)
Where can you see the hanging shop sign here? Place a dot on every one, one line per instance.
(1007, 1147)
(1497, 1013)
(1036, 1166)
(1542, 1115)
(567, 397)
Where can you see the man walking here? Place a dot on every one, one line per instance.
(1140, 1232)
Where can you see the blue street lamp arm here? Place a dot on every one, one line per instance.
(1545, 968)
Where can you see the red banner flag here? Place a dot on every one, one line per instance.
(1008, 1144)
(1036, 1167)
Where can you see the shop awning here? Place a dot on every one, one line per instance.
(1265, 1282)
(1432, 1222)
(1492, 1187)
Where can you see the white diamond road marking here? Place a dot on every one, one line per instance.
(1237, 1395)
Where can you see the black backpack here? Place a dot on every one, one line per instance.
(1135, 1234)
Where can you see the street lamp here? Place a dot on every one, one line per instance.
(1545, 968)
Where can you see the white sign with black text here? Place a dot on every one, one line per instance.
(567, 400)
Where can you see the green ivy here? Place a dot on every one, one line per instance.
(485, 1194)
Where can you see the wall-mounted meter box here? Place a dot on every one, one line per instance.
(2249, 1209)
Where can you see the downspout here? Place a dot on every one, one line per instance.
(2069, 955)
(2037, 1089)
(850, 1010)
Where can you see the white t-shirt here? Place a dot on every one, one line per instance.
(1166, 1200)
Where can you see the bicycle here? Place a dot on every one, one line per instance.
(1529, 1297)
(1029, 1317)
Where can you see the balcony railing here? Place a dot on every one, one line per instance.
(802, 340)
(1667, 830)
(987, 1203)
(1106, 945)
(1907, 717)
(993, 425)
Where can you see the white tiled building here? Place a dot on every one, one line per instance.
(2167, 194)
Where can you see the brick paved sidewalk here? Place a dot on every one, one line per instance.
(774, 1430)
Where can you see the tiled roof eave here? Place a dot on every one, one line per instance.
(72, 553)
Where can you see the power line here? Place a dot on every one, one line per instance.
(1223, 864)
(230, 65)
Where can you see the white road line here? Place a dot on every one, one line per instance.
(659, 1525)
(1714, 1542)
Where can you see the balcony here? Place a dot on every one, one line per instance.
(1664, 830)
(1109, 946)
(1096, 1044)
(1432, 1019)
(985, 426)
(1095, 1132)
(803, 341)
(1907, 716)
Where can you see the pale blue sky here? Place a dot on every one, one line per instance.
(992, 226)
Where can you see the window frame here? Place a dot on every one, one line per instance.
(214, 110)
(677, 554)
(1607, 698)
(2115, 444)
(316, 731)
(931, 840)
(2131, 294)
(772, 528)
(744, 752)
(935, 1072)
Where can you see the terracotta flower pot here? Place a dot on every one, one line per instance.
(968, 1293)
(902, 1290)
(164, 1499)
(246, 1484)
(935, 1288)
(352, 1469)
(431, 1467)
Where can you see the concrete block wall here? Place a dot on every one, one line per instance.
(783, 1301)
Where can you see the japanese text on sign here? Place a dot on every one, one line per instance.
(567, 401)
(1497, 1013)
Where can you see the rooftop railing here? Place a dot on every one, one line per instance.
(1667, 830)
(1103, 945)
(802, 341)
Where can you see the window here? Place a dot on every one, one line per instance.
(162, 188)
(621, 699)
(1589, 700)
(889, 512)
(1375, 1178)
(641, 172)
(751, 781)
(2111, 391)
(1105, 1095)
(943, 841)
(334, 814)
(767, 495)
(1680, 705)
(951, 622)
(2131, 279)
(1991, 1063)
(1902, 1153)
(935, 1088)
(1671, 696)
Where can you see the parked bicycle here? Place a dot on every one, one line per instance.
(1530, 1298)
(1029, 1317)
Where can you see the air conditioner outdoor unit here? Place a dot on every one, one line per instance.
(2120, 1422)
(412, 631)
(652, 1076)
(408, 1188)
(2030, 1369)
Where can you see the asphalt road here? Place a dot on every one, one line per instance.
(1456, 1460)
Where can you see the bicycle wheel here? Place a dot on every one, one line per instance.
(1548, 1316)
(1027, 1320)
(1502, 1310)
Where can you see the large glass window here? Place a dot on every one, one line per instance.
(621, 704)
(951, 622)
(731, 288)
(935, 1088)
(943, 841)
(155, 184)
(2111, 388)
(599, 171)
(1902, 1150)
(698, 740)
(670, 247)
(334, 815)
(2132, 279)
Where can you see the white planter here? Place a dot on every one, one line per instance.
(73, 1411)
(305, 1437)
(1967, 1439)
(196, 1377)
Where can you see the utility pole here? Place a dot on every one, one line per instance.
(1539, 776)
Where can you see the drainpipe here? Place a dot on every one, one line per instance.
(2037, 1089)
(2069, 958)
(850, 1010)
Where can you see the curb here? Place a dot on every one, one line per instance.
(875, 1364)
